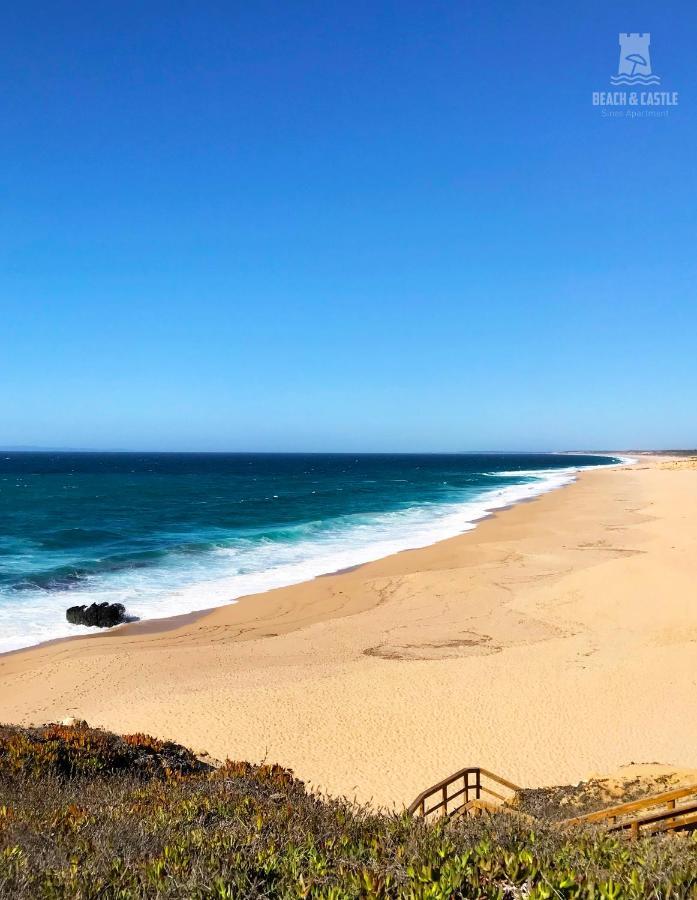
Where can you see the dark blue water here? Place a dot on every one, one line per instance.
(171, 533)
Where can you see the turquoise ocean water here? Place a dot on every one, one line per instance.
(172, 533)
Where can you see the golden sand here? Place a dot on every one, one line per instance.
(557, 639)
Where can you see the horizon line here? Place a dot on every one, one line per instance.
(122, 450)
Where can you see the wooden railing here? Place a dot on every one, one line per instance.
(468, 790)
(474, 790)
(660, 812)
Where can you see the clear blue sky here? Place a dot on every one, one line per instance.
(344, 225)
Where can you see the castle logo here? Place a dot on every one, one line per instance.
(635, 61)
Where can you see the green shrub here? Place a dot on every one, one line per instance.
(74, 750)
(85, 814)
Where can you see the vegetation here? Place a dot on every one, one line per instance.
(86, 814)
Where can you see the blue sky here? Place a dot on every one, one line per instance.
(344, 226)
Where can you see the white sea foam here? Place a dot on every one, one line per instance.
(189, 582)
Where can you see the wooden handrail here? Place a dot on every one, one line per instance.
(472, 789)
(624, 809)
(687, 820)
(660, 816)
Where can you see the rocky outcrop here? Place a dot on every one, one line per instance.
(101, 615)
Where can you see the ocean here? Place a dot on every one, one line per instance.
(168, 533)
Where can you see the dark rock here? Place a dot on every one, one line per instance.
(103, 615)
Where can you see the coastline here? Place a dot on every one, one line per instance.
(462, 517)
(533, 645)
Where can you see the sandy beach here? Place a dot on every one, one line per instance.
(556, 640)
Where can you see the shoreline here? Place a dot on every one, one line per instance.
(539, 644)
(165, 624)
(177, 619)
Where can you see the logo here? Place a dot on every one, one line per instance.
(635, 61)
(634, 70)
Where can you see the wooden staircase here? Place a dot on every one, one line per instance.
(473, 791)
(470, 790)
